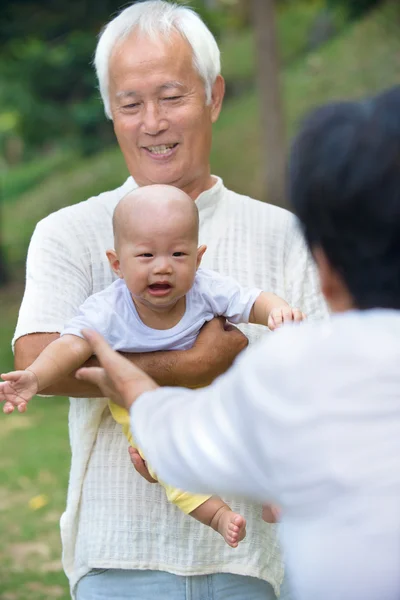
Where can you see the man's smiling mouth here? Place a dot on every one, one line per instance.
(161, 149)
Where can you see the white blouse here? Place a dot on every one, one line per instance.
(309, 419)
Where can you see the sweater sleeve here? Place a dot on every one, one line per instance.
(217, 437)
(227, 297)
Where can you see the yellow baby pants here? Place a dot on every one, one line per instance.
(183, 500)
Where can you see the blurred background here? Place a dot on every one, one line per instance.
(57, 148)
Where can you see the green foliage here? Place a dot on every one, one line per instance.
(17, 180)
(353, 8)
(77, 180)
(48, 89)
(295, 20)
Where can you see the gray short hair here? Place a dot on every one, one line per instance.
(158, 17)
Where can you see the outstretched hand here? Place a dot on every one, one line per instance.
(17, 388)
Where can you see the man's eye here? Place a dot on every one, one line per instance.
(131, 106)
(172, 98)
(179, 254)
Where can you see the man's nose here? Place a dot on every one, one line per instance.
(154, 121)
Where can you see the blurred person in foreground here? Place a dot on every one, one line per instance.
(310, 417)
(158, 68)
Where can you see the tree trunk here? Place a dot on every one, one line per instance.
(3, 270)
(272, 117)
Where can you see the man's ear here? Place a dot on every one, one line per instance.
(200, 254)
(332, 285)
(114, 262)
(327, 276)
(217, 96)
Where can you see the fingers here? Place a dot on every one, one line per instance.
(7, 394)
(298, 315)
(284, 315)
(140, 465)
(93, 375)
(9, 407)
(108, 359)
(11, 376)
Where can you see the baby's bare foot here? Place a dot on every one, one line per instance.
(232, 527)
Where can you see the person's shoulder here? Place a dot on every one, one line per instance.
(291, 349)
(261, 217)
(207, 281)
(110, 297)
(258, 206)
(89, 212)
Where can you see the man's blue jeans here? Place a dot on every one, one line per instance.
(118, 584)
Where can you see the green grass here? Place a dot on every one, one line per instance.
(85, 178)
(19, 179)
(34, 462)
(34, 449)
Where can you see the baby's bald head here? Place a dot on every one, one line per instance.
(152, 208)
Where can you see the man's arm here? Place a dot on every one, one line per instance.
(213, 353)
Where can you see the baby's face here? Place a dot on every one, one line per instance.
(158, 259)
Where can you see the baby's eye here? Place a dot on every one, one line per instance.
(146, 255)
(179, 254)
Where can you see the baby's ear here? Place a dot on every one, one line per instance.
(200, 254)
(114, 262)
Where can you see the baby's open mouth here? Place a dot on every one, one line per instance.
(160, 286)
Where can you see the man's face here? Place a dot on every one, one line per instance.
(159, 110)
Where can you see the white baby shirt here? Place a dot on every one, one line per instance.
(112, 313)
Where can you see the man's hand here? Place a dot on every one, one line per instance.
(118, 379)
(215, 349)
(17, 388)
(140, 465)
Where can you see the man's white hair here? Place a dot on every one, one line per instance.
(154, 18)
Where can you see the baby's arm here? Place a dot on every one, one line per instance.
(272, 311)
(57, 360)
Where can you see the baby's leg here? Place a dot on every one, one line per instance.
(215, 513)
(211, 511)
(122, 417)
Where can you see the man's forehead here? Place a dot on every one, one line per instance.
(140, 48)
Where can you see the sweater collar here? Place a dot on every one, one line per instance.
(211, 197)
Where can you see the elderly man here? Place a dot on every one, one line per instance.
(159, 74)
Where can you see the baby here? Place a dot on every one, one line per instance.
(160, 301)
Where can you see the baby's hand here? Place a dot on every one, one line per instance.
(17, 389)
(284, 314)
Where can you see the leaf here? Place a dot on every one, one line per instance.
(38, 502)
